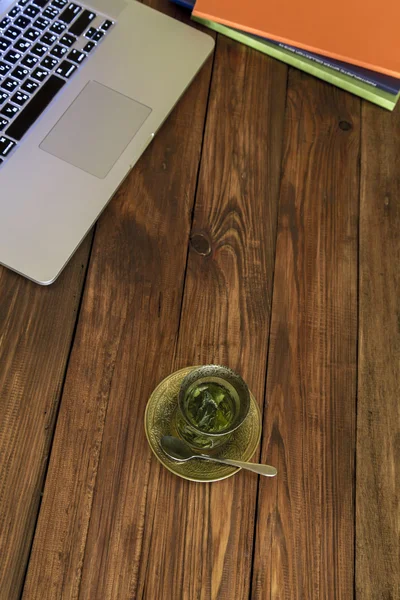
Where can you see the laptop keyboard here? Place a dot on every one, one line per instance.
(42, 45)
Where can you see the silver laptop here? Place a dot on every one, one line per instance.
(84, 87)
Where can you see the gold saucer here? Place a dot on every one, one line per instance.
(158, 421)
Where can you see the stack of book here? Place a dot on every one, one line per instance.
(355, 47)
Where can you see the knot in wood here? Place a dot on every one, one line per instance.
(345, 125)
(200, 244)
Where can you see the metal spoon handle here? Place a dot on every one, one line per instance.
(256, 468)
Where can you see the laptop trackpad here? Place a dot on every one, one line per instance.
(95, 130)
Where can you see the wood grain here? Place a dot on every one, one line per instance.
(95, 499)
(180, 276)
(378, 417)
(305, 521)
(198, 539)
(36, 329)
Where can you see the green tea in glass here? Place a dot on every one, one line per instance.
(213, 402)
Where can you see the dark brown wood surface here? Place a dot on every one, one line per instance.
(306, 522)
(378, 418)
(225, 315)
(36, 333)
(261, 230)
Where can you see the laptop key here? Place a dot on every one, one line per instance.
(3, 97)
(9, 110)
(82, 23)
(32, 34)
(22, 22)
(58, 27)
(12, 56)
(4, 68)
(23, 2)
(35, 107)
(97, 36)
(3, 123)
(106, 25)
(14, 11)
(90, 33)
(39, 50)
(58, 51)
(41, 23)
(89, 47)
(9, 84)
(29, 61)
(20, 73)
(4, 22)
(70, 13)
(39, 74)
(31, 11)
(49, 62)
(76, 56)
(29, 86)
(51, 12)
(4, 44)
(41, 3)
(20, 98)
(59, 3)
(22, 45)
(66, 69)
(68, 40)
(12, 33)
(48, 38)
(6, 146)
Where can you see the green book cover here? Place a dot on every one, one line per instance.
(350, 84)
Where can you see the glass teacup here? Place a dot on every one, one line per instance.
(213, 402)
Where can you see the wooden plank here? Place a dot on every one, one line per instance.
(199, 537)
(378, 417)
(305, 525)
(125, 342)
(36, 329)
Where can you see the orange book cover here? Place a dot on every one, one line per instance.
(361, 32)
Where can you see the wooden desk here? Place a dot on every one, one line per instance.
(260, 230)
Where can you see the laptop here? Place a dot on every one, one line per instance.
(84, 87)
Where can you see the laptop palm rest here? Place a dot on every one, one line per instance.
(96, 128)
